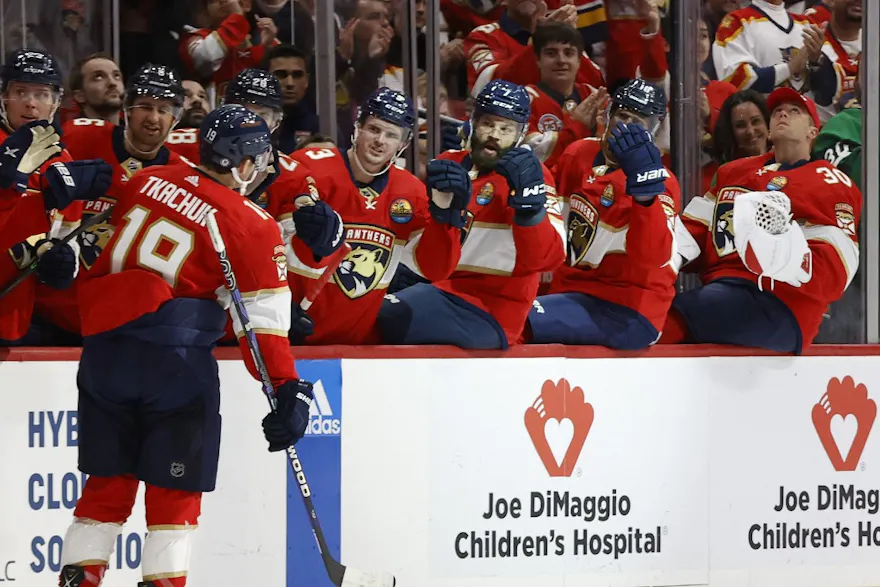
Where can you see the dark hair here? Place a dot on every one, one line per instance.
(281, 51)
(724, 140)
(556, 32)
(75, 79)
(307, 140)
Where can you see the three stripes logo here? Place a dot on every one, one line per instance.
(322, 420)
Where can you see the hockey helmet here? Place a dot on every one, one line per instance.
(643, 98)
(504, 99)
(31, 66)
(232, 133)
(390, 106)
(155, 81)
(254, 86)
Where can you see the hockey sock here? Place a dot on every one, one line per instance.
(675, 330)
(104, 507)
(172, 517)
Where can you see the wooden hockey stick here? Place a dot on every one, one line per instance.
(339, 574)
(32, 266)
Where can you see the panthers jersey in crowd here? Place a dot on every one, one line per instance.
(88, 138)
(551, 127)
(618, 251)
(380, 220)
(823, 200)
(501, 262)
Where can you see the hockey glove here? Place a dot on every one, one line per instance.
(451, 136)
(301, 325)
(634, 149)
(57, 265)
(449, 189)
(24, 151)
(523, 172)
(320, 228)
(76, 180)
(287, 424)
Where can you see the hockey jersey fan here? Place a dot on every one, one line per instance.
(551, 126)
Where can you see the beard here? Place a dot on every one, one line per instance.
(192, 118)
(486, 161)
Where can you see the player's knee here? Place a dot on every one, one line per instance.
(107, 499)
(172, 507)
(395, 317)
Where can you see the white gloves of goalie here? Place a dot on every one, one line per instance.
(768, 241)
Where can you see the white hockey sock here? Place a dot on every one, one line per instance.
(88, 542)
(167, 552)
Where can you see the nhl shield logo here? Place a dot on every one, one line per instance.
(722, 222)
(582, 221)
(178, 470)
(365, 265)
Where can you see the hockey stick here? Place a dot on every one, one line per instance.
(32, 266)
(339, 574)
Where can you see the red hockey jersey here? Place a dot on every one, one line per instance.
(823, 200)
(28, 221)
(493, 53)
(618, 251)
(161, 250)
(220, 54)
(551, 127)
(818, 14)
(381, 219)
(88, 138)
(184, 142)
(501, 262)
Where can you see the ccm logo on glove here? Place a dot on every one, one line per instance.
(652, 175)
(62, 170)
(537, 190)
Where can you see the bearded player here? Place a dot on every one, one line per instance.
(385, 210)
(620, 204)
(511, 233)
(774, 241)
(152, 105)
(31, 94)
(184, 139)
(152, 311)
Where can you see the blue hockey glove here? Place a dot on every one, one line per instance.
(287, 424)
(57, 266)
(301, 325)
(451, 136)
(449, 191)
(24, 151)
(523, 172)
(320, 228)
(638, 156)
(76, 180)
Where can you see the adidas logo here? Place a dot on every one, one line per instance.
(193, 179)
(321, 419)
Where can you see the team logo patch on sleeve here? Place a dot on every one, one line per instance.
(549, 123)
(487, 192)
(722, 222)
(281, 262)
(365, 265)
(607, 197)
(582, 221)
(777, 183)
(846, 220)
(401, 211)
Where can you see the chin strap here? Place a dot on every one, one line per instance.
(357, 161)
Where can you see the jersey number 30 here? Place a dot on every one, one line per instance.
(164, 247)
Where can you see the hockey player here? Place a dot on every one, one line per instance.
(31, 94)
(620, 204)
(152, 310)
(384, 209)
(152, 104)
(511, 233)
(774, 241)
(184, 139)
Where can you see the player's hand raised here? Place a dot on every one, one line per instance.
(449, 190)
(287, 424)
(24, 151)
(524, 174)
(75, 180)
(634, 150)
(320, 227)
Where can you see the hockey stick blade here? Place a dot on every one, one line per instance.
(337, 572)
(32, 266)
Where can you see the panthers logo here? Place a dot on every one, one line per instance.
(365, 265)
(549, 123)
(582, 220)
(93, 241)
(722, 232)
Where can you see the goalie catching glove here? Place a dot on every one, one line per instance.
(24, 151)
(768, 241)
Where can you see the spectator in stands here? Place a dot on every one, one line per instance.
(840, 140)
(463, 17)
(834, 57)
(289, 65)
(195, 105)
(761, 47)
(714, 12)
(743, 128)
(562, 111)
(635, 46)
(500, 50)
(234, 40)
(820, 13)
(97, 88)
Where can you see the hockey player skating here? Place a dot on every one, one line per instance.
(385, 209)
(774, 241)
(620, 204)
(153, 308)
(511, 233)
